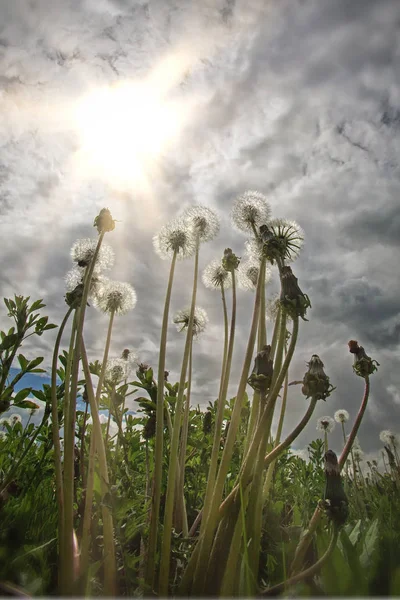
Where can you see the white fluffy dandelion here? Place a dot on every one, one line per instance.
(215, 276)
(325, 424)
(83, 251)
(202, 221)
(250, 210)
(3, 435)
(115, 296)
(200, 320)
(341, 416)
(117, 370)
(389, 438)
(175, 237)
(75, 277)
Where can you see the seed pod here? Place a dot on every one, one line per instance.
(315, 382)
(363, 364)
(292, 298)
(261, 376)
(336, 503)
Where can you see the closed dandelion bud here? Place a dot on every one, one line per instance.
(207, 423)
(336, 503)
(104, 221)
(230, 261)
(292, 298)
(363, 364)
(315, 382)
(261, 376)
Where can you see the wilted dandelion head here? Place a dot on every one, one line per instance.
(389, 438)
(115, 296)
(14, 418)
(83, 251)
(341, 416)
(215, 276)
(202, 221)
(250, 210)
(200, 320)
(117, 370)
(325, 424)
(289, 235)
(175, 237)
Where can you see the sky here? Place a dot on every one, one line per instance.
(150, 107)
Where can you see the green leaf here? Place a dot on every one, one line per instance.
(22, 394)
(50, 326)
(34, 363)
(358, 582)
(28, 404)
(8, 341)
(36, 305)
(23, 362)
(369, 544)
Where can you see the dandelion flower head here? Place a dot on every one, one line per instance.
(115, 296)
(250, 210)
(83, 250)
(202, 221)
(200, 320)
(175, 237)
(341, 416)
(215, 276)
(325, 424)
(388, 437)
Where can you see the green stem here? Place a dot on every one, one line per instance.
(173, 461)
(158, 451)
(67, 575)
(220, 410)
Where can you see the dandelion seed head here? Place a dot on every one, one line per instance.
(3, 435)
(358, 453)
(175, 237)
(200, 320)
(388, 437)
(14, 418)
(250, 210)
(115, 296)
(325, 424)
(202, 221)
(83, 251)
(75, 277)
(214, 276)
(341, 416)
(254, 249)
(117, 370)
(247, 275)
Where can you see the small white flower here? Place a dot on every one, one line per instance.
(200, 320)
(325, 424)
(250, 210)
(83, 251)
(175, 237)
(214, 276)
(115, 296)
(341, 416)
(202, 221)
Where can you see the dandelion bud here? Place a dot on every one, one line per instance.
(261, 376)
(230, 261)
(207, 423)
(292, 298)
(336, 503)
(315, 382)
(363, 364)
(149, 429)
(104, 221)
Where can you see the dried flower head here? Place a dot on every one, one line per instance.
(250, 210)
(175, 237)
(292, 298)
(215, 276)
(83, 250)
(315, 381)
(390, 438)
(363, 365)
(115, 296)
(200, 320)
(325, 424)
(341, 416)
(202, 221)
(286, 235)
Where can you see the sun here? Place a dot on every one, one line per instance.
(124, 128)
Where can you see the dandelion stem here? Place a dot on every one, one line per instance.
(158, 451)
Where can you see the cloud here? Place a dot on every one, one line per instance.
(300, 100)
